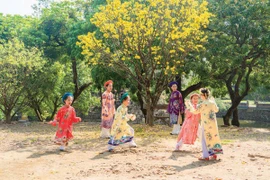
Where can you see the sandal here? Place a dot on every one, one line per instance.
(214, 157)
(178, 147)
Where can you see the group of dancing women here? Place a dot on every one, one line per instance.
(199, 122)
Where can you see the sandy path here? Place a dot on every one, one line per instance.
(153, 159)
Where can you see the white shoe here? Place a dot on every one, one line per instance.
(132, 144)
(178, 146)
(110, 148)
(62, 148)
(176, 129)
(105, 133)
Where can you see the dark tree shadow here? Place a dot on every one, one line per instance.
(117, 150)
(182, 153)
(49, 152)
(195, 164)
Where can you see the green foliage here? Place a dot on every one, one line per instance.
(17, 64)
(39, 58)
(101, 74)
(55, 32)
(222, 105)
(239, 33)
(13, 26)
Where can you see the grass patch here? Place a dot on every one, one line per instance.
(86, 135)
(227, 141)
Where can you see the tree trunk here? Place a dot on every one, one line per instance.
(55, 104)
(38, 113)
(149, 115)
(8, 117)
(149, 108)
(191, 88)
(140, 99)
(226, 118)
(78, 89)
(187, 91)
(235, 120)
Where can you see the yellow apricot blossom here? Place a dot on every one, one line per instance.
(147, 36)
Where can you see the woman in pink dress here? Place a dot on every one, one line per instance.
(188, 133)
(108, 110)
(65, 118)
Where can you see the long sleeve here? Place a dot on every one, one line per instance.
(196, 111)
(113, 105)
(124, 114)
(169, 107)
(56, 120)
(120, 117)
(116, 124)
(188, 114)
(215, 107)
(73, 116)
(181, 104)
(104, 107)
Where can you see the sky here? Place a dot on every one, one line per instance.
(21, 7)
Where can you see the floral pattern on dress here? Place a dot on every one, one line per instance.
(209, 123)
(212, 115)
(189, 129)
(108, 110)
(121, 132)
(65, 118)
(175, 107)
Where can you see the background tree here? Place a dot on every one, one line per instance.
(45, 88)
(16, 64)
(260, 80)
(101, 74)
(55, 32)
(238, 43)
(148, 40)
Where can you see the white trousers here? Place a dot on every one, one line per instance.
(205, 153)
(176, 129)
(130, 144)
(105, 133)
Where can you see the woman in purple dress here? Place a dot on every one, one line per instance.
(176, 107)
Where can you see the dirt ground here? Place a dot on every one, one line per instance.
(27, 152)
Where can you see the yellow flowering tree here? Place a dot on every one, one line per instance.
(149, 39)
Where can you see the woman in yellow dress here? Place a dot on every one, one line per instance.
(121, 131)
(211, 144)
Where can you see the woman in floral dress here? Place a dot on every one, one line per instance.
(121, 131)
(175, 107)
(211, 144)
(108, 110)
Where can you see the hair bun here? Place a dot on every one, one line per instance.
(123, 96)
(122, 93)
(205, 91)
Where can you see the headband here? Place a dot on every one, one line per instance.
(123, 97)
(108, 82)
(65, 96)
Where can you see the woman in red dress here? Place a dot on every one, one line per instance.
(65, 118)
